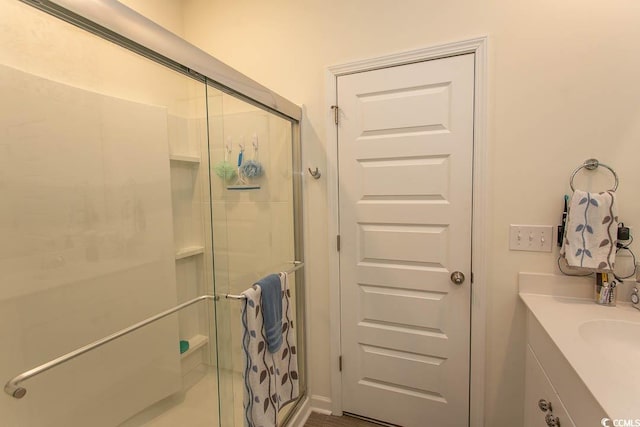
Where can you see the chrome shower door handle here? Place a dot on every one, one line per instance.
(457, 277)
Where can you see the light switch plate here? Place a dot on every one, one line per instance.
(535, 238)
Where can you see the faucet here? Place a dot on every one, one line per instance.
(635, 298)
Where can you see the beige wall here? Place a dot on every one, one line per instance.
(167, 13)
(563, 87)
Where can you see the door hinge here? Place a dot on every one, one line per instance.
(472, 277)
(338, 243)
(336, 113)
(340, 363)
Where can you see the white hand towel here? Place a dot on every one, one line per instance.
(591, 232)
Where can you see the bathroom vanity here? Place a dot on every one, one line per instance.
(580, 357)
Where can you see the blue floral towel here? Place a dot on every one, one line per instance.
(270, 379)
(592, 229)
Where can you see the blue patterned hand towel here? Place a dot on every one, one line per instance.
(592, 230)
(272, 310)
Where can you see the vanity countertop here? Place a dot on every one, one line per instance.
(602, 344)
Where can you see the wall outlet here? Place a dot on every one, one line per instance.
(535, 238)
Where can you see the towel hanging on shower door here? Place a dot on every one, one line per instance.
(270, 379)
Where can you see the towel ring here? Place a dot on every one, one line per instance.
(591, 164)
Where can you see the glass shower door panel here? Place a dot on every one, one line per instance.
(86, 246)
(100, 154)
(253, 224)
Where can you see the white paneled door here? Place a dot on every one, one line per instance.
(405, 146)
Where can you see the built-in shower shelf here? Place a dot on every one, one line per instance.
(185, 158)
(196, 342)
(190, 251)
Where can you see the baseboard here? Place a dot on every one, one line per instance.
(321, 404)
(302, 414)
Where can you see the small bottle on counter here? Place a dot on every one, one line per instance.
(606, 289)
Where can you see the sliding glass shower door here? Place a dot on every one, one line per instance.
(254, 220)
(128, 187)
(105, 220)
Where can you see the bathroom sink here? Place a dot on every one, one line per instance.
(616, 339)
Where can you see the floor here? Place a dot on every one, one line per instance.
(197, 406)
(318, 420)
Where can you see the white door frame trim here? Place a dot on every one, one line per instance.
(478, 46)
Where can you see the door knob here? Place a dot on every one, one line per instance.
(552, 421)
(544, 405)
(457, 277)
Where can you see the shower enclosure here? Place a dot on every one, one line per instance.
(125, 222)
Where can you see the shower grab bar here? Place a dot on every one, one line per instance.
(13, 389)
(298, 266)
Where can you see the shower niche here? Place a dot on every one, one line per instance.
(188, 142)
